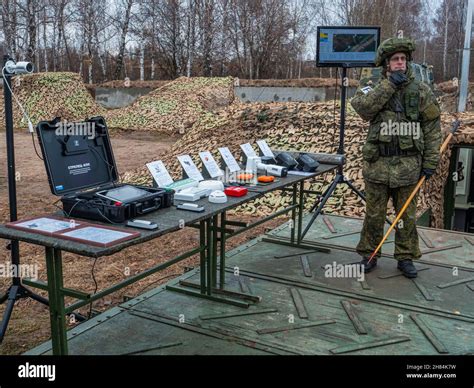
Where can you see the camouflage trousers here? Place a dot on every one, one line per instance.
(406, 236)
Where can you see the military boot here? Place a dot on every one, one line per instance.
(408, 269)
(368, 267)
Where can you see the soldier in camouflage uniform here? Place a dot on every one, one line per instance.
(403, 143)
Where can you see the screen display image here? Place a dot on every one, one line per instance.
(347, 46)
(124, 193)
(354, 43)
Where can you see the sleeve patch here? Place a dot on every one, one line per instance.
(431, 112)
(366, 89)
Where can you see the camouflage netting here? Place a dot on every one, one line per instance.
(449, 96)
(175, 107)
(48, 95)
(305, 127)
(433, 191)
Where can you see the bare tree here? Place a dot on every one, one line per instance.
(31, 27)
(124, 24)
(60, 21)
(45, 40)
(449, 37)
(9, 22)
(207, 8)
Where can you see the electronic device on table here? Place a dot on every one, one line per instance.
(202, 190)
(191, 194)
(236, 191)
(193, 207)
(81, 169)
(255, 163)
(182, 184)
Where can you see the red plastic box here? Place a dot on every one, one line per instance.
(236, 191)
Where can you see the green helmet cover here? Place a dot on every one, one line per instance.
(394, 45)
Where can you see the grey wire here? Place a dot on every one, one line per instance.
(111, 167)
(34, 145)
(22, 109)
(73, 206)
(14, 96)
(103, 215)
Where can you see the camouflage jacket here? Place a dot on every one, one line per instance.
(406, 118)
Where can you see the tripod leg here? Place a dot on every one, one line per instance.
(3, 298)
(38, 298)
(327, 194)
(356, 190)
(316, 204)
(12, 296)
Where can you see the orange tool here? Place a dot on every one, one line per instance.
(266, 179)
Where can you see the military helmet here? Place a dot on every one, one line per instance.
(394, 45)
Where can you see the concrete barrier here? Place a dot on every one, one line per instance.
(112, 98)
(286, 94)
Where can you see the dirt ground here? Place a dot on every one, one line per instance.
(29, 325)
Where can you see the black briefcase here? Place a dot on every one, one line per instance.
(81, 169)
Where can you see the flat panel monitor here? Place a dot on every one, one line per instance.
(347, 46)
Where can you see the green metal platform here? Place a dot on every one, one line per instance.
(296, 309)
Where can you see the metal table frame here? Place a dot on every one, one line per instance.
(212, 231)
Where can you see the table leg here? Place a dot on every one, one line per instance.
(56, 298)
(215, 229)
(209, 256)
(293, 213)
(300, 212)
(222, 252)
(202, 255)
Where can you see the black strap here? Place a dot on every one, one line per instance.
(390, 150)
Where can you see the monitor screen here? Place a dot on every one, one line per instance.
(347, 46)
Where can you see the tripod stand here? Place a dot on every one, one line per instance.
(339, 178)
(16, 291)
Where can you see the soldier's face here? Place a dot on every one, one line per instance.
(398, 62)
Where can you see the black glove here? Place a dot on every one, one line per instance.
(427, 172)
(398, 78)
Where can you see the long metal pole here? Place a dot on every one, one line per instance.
(15, 247)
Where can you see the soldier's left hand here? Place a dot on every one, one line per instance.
(398, 78)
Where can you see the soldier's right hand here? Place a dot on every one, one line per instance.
(427, 172)
(398, 78)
